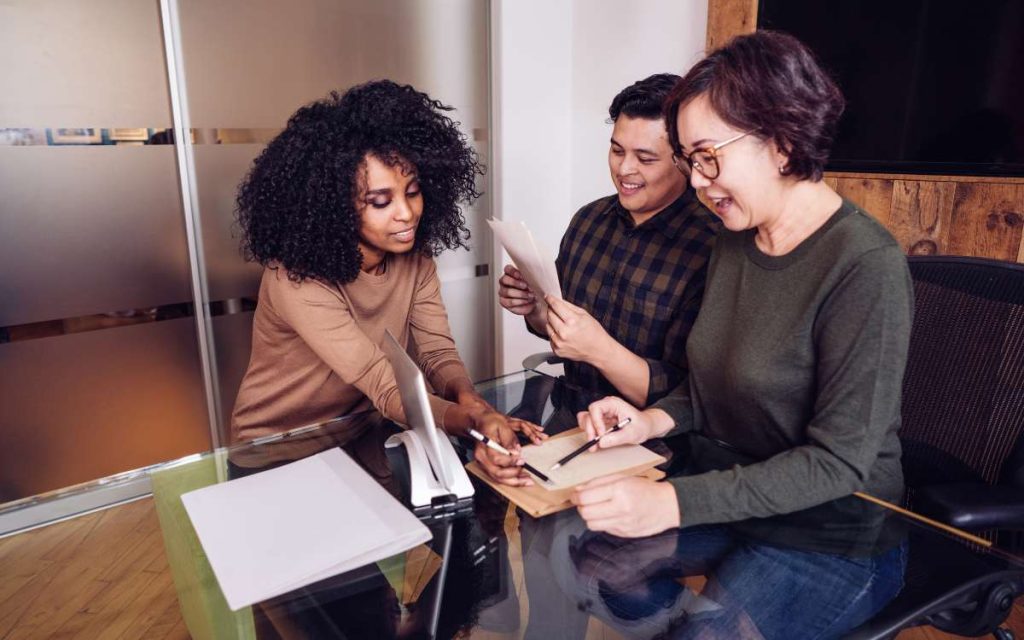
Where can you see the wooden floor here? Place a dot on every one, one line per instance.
(104, 575)
(99, 576)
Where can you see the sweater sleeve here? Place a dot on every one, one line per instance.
(678, 406)
(323, 320)
(861, 338)
(428, 325)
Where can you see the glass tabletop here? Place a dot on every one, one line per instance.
(492, 571)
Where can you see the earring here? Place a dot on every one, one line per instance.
(782, 170)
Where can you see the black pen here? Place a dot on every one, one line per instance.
(491, 444)
(586, 446)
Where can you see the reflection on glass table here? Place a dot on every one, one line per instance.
(491, 571)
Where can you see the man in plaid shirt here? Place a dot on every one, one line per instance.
(631, 265)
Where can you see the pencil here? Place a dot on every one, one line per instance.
(586, 446)
(491, 444)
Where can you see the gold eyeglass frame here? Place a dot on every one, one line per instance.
(687, 166)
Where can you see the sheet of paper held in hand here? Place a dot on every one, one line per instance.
(586, 466)
(281, 529)
(537, 268)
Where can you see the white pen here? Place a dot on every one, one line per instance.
(491, 444)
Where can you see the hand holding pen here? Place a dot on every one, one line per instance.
(589, 445)
(602, 415)
(498, 451)
(491, 444)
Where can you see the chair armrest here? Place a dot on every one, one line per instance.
(972, 506)
(546, 357)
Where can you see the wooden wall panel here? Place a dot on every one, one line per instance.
(728, 18)
(987, 220)
(874, 196)
(959, 215)
(920, 215)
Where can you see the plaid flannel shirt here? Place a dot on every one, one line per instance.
(644, 283)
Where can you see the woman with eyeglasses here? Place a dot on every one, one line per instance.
(796, 363)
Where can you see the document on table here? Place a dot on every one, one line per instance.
(537, 267)
(630, 459)
(543, 498)
(281, 529)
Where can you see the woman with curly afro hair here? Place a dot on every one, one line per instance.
(345, 210)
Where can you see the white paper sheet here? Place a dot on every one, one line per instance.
(537, 267)
(281, 529)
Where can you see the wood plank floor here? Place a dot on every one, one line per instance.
(105, 576)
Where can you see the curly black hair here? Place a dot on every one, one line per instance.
(296, 208)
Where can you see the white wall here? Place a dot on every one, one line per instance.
(556, 66)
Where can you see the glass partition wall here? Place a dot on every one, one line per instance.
(126, 308)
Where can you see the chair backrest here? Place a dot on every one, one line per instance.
(963, 391)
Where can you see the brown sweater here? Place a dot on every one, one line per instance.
(316, 353)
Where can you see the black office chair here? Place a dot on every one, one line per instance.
(963, 450)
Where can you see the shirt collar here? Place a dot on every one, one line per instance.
(670, 221)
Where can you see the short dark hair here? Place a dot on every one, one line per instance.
(296, 207)
(644, 98)
(770, 83)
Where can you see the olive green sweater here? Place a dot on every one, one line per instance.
(796, 361)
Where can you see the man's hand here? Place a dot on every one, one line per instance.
(514, 294)
(575, 334)
(628, 507)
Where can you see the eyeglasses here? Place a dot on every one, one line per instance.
(703, 160)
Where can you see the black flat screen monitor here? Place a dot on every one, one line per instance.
(932, 86)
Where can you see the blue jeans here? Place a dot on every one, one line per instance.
(753, 590)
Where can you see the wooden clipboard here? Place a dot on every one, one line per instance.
(538, 501)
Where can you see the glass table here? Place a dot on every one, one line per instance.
(493, 572)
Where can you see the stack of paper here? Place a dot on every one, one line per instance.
(275, 531)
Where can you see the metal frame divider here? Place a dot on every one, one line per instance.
(184, 150)
(99, 494)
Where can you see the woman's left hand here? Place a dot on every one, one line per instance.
(472, 400)
(479, 407)
(627, 506)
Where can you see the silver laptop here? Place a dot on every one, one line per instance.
(413, 390)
